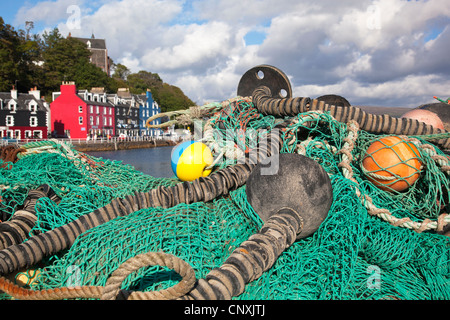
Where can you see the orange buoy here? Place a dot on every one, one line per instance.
(426, 116)
(392, 163)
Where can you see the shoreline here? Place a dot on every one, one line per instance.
(121, 145)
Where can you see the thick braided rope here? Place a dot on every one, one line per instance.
(384, 214)
(111, 290)
(188, 115)
(50, 294)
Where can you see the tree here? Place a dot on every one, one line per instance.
(69, 60)
(47, 61)
(171, 98)
(19, 58)
(141, 81)
(121, 72)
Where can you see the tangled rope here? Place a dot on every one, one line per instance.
(9, 155)
(184, 117)
(203, 189)
(112, 291)
(246, 264)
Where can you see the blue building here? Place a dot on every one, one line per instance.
(146, 110)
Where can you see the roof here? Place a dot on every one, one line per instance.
(22, 101)
(95, 43)
(95, 103)
(124, 99)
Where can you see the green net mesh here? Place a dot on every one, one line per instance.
(367, 248)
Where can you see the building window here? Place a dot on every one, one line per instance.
(98, 109)
(110, 111)
(9, 121)
(104, 110)
(104, 121)
(17, 134)
(97, 121)
(110, 122)
(33, 106)
(12, 106)
(80, 120)
(92, 109)
(33, 121)
(80, 109)
(91, 120)
(37, 134)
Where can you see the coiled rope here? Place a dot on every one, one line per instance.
(245, 264)
(112, 291)
(185, 117)
(203, 189)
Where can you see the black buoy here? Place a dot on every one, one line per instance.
(300, 183)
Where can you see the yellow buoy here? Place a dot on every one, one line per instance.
(190, 160)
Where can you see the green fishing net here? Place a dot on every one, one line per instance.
(367, 248)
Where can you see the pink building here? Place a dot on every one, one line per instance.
(81, 114)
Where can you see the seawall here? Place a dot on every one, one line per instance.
(121, 145)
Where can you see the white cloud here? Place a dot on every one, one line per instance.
(410, 91)
(49, 12)
(201, 44)
(369, 51)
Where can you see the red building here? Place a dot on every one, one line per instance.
(81, 114)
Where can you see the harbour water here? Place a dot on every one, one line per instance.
(151, 161)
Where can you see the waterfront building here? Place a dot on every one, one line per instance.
(81, 114)
(126, 112)
(24, 115)
(99, 52)
(146, 110)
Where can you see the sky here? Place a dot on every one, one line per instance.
(391, 53)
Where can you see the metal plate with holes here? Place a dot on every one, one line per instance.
(265, 75)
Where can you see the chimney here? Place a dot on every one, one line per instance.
(35, 92)
(68, 87)
(14, 93)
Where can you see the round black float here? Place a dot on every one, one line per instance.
(268, 76)
(300, 183)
